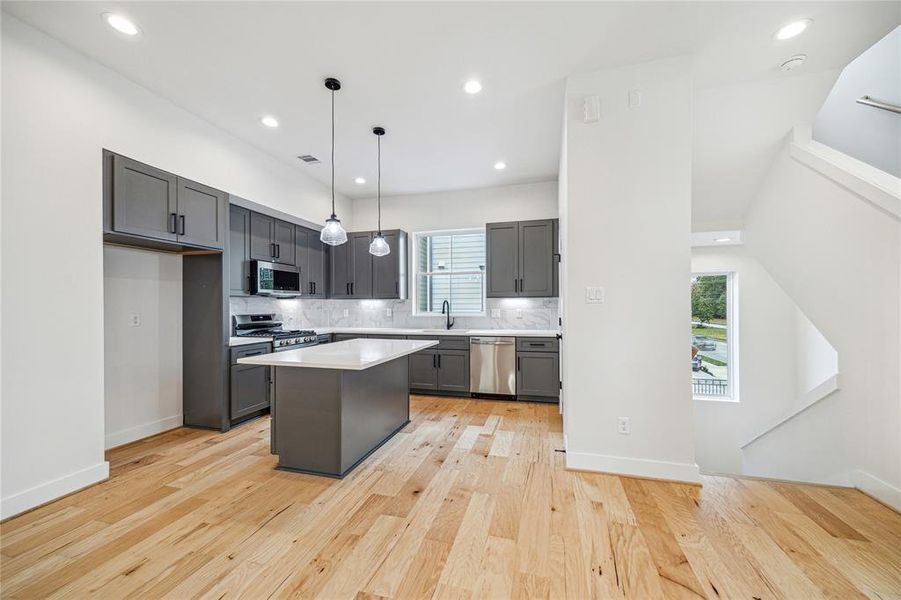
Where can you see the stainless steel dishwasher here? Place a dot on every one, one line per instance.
(492, 366)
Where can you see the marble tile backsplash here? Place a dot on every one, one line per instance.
(501, 313)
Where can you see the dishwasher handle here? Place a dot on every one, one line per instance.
(491, 343)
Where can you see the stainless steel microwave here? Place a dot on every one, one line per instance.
(271, 279)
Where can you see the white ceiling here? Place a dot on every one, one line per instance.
(403, 66)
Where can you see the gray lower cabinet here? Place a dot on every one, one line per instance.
(423, 370)
(250, 384)
(440, 370)
(238, 251)
(143, 204)
(312, 258)
(522, 259)
(453, 371)
(538, 376)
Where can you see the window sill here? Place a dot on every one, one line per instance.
(728, 399)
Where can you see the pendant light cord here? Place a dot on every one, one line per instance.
(333, 154)
(379, 185)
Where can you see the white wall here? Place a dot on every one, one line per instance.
(59, 110)
(459, 209)
(142, 364)
(837, 257)
(864, 132)
(628, 213)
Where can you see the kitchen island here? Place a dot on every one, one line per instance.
(334, 404)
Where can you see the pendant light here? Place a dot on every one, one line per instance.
(379, 245)
(333, 233)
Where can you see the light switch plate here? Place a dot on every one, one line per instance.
(389, 312)
(134, 319)
(594, 295)
(634, 98)
(591, 109)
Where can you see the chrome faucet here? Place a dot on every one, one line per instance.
(445, 310)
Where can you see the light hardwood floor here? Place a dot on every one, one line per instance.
(471, 500)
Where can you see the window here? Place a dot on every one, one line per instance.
(713, 336)
(450, 265)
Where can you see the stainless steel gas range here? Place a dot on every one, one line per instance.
(269, 325)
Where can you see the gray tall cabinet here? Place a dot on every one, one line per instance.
(522, 259)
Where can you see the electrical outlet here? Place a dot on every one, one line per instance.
(518, 313)
(134, 319)
(389, 312)
(623, 426)
(495, 313)
(594, 295)
(346, 312)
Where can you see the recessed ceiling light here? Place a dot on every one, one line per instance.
(121, 24)
(359, 181)
(500, 165)
(269, 121)
(792, 29)
(472, 86)
(723, 239)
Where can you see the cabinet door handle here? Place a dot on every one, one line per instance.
(397, 288)
(181, 221)
(271, 249)
(519, 363)
(434, 361)
(352, 288)
(347, 288)
(278, 251)
(172, 227)
(314, 287)
(515, 284)
(439, 360)
(521, 290)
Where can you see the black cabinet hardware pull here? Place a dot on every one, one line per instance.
(278, 251)
(347, 288)
(272, 250)
(172, 217)
(439, 360)
(181, 220)
(515, 284)
(314, 287)
(352, 288)
(397, 288)
(519, 363)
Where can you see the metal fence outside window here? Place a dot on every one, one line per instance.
(710, 387)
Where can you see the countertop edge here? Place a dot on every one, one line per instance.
(275, 362)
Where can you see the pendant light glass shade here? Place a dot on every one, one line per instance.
(333, 233)
(379, 245)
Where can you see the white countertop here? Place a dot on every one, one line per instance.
(242, 341)
(245, 341)
(430, 332)
(352, 355)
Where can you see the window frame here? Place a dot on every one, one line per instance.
(416, 272)
(732, 336)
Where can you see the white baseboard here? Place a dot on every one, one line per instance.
(41, 494)
(133, 434)
(881, 490)
(637, 467)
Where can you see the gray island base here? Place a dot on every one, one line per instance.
(335, 404)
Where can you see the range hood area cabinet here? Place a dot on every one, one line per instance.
(148, 207)
(250, 230)
(272, 240)
(522, 259)
(357, 274)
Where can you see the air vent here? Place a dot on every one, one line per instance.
(309, 159)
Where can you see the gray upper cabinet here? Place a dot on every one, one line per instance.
(262, 232)
(283, 238)
(143, 204)
(201, 214)
(361, 284)
(238, 251)
(522, 259)
(388, 272)
(355, 273)
(502, 249)
(144, 200)
(312, 258)
(537, 258)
